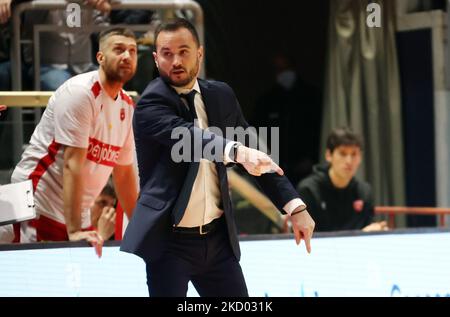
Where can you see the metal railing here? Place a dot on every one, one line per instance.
(16, 67)
(392, 211)
(33, 99)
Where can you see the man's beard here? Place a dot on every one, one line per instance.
(191, 76)
(113, 75)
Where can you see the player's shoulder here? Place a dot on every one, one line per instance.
(363, 187)
(316, 179)
(310, 183)
(86, 83)
(215, 84)
(126, 98)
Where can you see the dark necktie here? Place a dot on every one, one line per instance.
(190, 102)
(185, 193)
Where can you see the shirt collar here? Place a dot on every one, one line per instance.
(179, 90)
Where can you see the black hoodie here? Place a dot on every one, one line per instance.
(334, 209)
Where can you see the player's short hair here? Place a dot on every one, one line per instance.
(105, 34)
(174, 25)
(108, 190)
(343, 136)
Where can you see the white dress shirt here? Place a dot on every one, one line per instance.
(204, 202)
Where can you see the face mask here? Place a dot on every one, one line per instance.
(286, 79)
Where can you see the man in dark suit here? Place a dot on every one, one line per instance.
(183, 225)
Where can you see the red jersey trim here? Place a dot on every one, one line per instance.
(126, 98)
(119, 222)
(96, 88)
(44, 163)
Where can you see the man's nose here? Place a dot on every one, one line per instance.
(126, 55)
(176, 60)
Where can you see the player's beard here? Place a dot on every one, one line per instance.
(192, 74)
(117, 74)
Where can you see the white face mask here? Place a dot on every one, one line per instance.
(286, 79)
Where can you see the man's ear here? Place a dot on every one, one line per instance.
(100, 57)
(155, 58)
(328, 156)
(200, 52)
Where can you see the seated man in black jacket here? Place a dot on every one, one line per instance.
(336, 199)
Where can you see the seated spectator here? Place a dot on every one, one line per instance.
(103, 213)
(336, 199)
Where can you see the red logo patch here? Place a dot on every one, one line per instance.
(122, 114)
(358, 205)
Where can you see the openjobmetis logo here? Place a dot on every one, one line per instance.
(102, 153)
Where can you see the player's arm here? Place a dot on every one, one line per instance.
(125, 184)
(74, 159)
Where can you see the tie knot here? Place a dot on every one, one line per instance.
(189, 97)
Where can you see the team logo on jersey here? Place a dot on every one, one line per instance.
(358, 205)
(122, 114)
(102, 153)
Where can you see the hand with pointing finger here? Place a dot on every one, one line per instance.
(303, 226)
(256, 162)
(91, 236)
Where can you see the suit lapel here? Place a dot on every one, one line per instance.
(179, 105)
(211, 102)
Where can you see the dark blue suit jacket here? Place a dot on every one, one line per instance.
(158, 112)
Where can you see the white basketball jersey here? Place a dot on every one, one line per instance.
(79, 114)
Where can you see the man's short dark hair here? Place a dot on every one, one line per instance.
(343, 136)
(105, 34)
(108, 190)
(176, 24)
